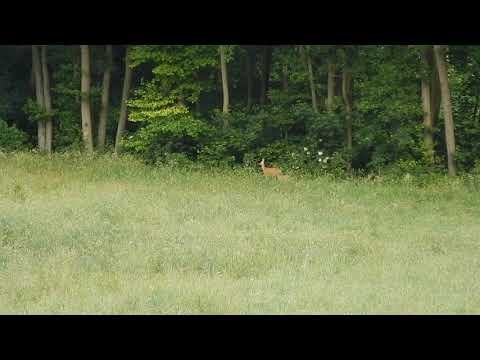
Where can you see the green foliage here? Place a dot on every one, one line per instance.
(216, 154)
(66, 102)
(176, 68)
(466, 107)
(166, 134)
(36, 113)
(11, 138)
(177, 94)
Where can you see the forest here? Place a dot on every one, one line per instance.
(239, 179)
(337, 109)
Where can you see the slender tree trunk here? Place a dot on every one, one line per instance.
(250, 73)
(435, 92)
(268, 71)
(447, 107)
(267, 63)
(32, 79)
(311, 78)
(122, 121)
(224, 71)
(331, 85)
(86, 99)
(428, 118)
(430, 102)
(263, 90)
(37, 70)
(48, 101)
(102, 122)
(347, 81)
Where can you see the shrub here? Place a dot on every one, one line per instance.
(179, 133)
(11, 138)
(217, 154)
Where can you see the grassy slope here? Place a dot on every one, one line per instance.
(105, 236)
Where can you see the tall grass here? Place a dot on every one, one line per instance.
(100, 235)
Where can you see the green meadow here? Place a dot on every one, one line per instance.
(99, 235)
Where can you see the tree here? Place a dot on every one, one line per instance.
(39, 88)
(442, 69)
(430, 89)
(332, 68)
(308, 62)
(122, 121)
(47, 101)
(250, 73)
(266, 68)
(102, 121)
(86, 98)
(377, 85)
(175, 69)
(224, 71)
(347, 84)
(350, 53)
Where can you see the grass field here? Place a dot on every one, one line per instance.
(105, 236)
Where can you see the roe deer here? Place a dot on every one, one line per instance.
(272, 171)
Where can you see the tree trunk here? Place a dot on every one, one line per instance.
(428, 118)
(86, 99)
(224, 71)
(250, 76)
(102, 122)
(48, 101)
(447, 107)
(267, 63)
(311, 79)
(37, 70)
(347, 81)
(122, 121)
(32, 80)
(331, 85)
(435, 92)
(430, 102)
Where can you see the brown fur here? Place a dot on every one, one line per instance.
(272, 171)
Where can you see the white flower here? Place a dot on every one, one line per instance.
(320, 140)
(320, 160)
(320, 153)
(305, 149)
(325, 161)
(308, 152)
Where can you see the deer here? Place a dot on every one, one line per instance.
(272, 171)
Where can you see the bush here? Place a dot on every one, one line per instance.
(216, 154)
(175, 134)
(11, 138)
